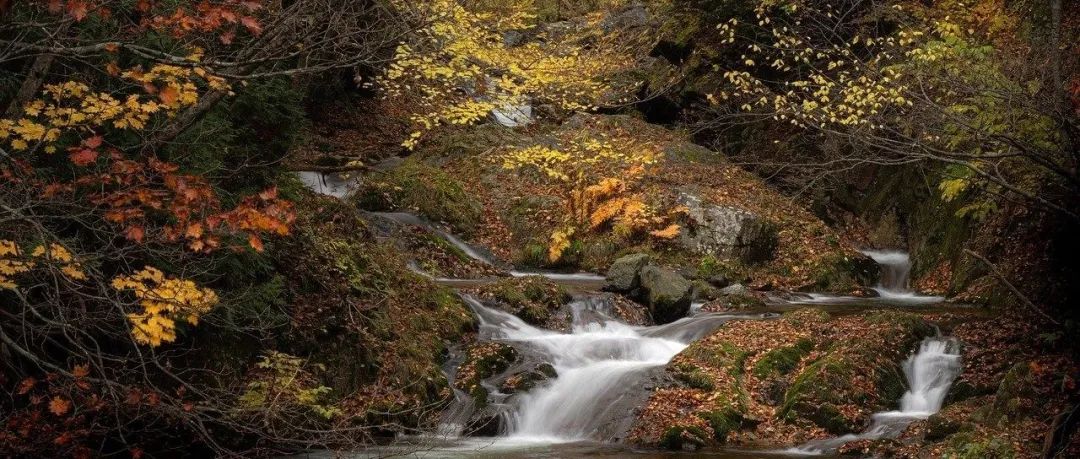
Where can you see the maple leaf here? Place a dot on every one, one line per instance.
(26, 385)
(169, 95)
(59, 406)
(93, 142)
(252, 24)
(227, 37)
(83, 156)
(80, 371)
(77, 9)
(135, 233)
(255, 242)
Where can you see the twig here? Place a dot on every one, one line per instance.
(994, 269)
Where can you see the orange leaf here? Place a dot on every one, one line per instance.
(83, 156)
(255, 242)
(26, 385)
(169, 95)
(135, 233)
(252, 25)
(77, 9)
(80, 371)
(93, 142)
(59, 406)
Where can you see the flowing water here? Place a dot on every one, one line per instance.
(330, 184)
(930, 372)
(601, 363)
(607, 368)
(894, 286)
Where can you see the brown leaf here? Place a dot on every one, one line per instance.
(59, 406)
(83, 156)
(26, 385)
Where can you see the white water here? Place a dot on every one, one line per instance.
(331, 184)
(601, 362)
(893, 287)
(930, 372)
(895, 283)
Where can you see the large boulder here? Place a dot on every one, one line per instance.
(667, 293)
(727, 232)
(624, 274)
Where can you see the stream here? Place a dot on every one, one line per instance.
(606, 368)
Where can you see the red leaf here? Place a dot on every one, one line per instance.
(255, 242)
(227, 37)
(135, 233)
(83, 156)
(26, 385)
(59, 406)
(169, 95)
(252, 24)
(77, 9)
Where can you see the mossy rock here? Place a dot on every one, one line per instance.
(417, 186)
(684, 438)
(819, 391)
(722, 422)
(535, 299)
(782, 360)
(939, 426)
(527, 380)
(1015, 397)
(843, 273)
(694, 377)
(482, 361)
(969, 445)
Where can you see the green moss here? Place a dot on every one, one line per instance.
(806, 316)
(841, 273)
(967, 445)
(415, 185)
(681, 437)
(722, 422)
(710, 266)
(482, 361)
(533, 298)
(694, 377)
(781, 361)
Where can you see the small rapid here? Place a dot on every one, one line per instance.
(602, 365)
(894, 285)
(930, 372)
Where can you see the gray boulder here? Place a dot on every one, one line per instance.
(735, 289)
(667, 294)
(727, 232)
(624, 274)
(633, 15)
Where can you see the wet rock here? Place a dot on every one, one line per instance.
(534, 299)
(485, 423)
(727, 232)
(719, 280)
(526, 380)
(704, 291)
(735, 289)
(666, 293)
(938, 427)
(624, 274)
(482, 361)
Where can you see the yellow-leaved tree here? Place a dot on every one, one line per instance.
(468, 59)
(600, 176)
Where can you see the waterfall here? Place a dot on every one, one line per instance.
(930, 372)
(895, 273)
(894, 286)
(602, 364)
